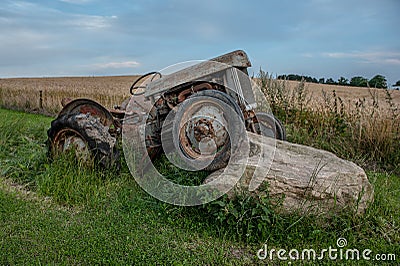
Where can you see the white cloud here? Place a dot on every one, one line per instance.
(373, 57)
(22, 14)
(114, 65)
(90, 22)
(21, 5)
(78, 2)
(393, 61)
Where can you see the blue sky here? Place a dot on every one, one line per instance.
(320, 38)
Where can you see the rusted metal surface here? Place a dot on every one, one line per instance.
(87, 106)
(204, 131)
(236, 58)
(185, 93)
(198, 72)
(190, 74)
(69, 139)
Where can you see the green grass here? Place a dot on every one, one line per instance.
(61, 213)
(111, 234)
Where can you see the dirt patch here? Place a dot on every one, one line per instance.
(23, 193)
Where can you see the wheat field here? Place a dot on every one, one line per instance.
(24, 93)
(319, 93)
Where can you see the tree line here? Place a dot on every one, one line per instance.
(378, 81)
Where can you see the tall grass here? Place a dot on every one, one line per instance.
(366, 131)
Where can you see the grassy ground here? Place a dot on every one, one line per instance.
(58, 212)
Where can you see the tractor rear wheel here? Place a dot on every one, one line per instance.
(206, 125)
(86, 136)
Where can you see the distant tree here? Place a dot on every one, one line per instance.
(378, 81)
(297, 77)
(330, 81)
(359, 81)
(308, 79)
(397, 84)
(343, 81)
(322, 80)
(294, 77)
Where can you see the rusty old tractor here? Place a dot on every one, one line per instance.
(194, 94)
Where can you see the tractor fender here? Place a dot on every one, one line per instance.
(85, 106)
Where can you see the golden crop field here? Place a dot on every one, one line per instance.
(321, 96)
(349, 95)
(24, 93)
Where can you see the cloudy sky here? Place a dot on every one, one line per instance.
(320, 38)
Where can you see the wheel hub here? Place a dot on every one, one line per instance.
(69, 139)
(206, 131)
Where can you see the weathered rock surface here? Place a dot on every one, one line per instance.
(308, 179)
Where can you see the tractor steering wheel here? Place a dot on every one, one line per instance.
(134, 88)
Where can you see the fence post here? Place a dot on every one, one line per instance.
(41, 99)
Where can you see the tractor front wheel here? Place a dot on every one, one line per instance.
(270, 126)
(86, 136)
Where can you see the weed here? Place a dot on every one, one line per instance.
(366, 133)
(248, 217)
(178, 175)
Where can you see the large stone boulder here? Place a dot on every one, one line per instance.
(308, 180)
